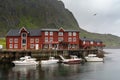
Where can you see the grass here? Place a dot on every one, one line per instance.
(3, 42)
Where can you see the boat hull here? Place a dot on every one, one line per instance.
(72, 62)
(49, 61)
(25, 63)
(94, 59)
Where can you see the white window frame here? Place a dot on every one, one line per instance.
(10, 46)
(16, 40)
(60, 39)
(51, 39)
(91, 42)
(31, 46)
(46, 33)
(31, 40)
(60, 33)
(74, 39)
(70, 39)
(11, 40)
(46, 39)
(74, 33)
(51, 33)
(69, 33)
(37, 40)
(15, 46)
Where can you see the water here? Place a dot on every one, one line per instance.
(109, 70)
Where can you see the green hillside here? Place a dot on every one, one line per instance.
(43, 14)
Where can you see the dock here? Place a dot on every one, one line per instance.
(10, 55)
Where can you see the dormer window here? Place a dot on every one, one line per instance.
(24, 34)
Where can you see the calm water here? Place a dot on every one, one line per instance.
(109, 70)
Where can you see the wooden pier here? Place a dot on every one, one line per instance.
(10, 55)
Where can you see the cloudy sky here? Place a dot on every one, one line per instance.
(101, 16)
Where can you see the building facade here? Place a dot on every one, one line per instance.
(42, 39)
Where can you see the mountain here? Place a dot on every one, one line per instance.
(35, 14)
(43, 14)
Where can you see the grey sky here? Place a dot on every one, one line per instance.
(100, 16)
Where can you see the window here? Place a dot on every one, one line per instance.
(51, 39)
(10, 46)
(60, 34)
(37, 40)
(46, 46)
(69, 33)
(69, 39)
(15, 46)
(31, 46)
(60, 39)
(74, 33)
(24, 41)
(74, 39)
(46, 33)
(32, 40)
(98, 43)
(91, 42)
(16, 40)
(23, 34)
(84, 42)
(11, 40)
(46, 39)
(51, 33)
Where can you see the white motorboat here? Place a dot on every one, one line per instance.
(93, 58)
(51, 60)
(27, 60)
(73, 60)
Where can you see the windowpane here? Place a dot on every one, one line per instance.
(31, 46)
(69, 39)
(15, 45)
(70, 34)
(11, 40)
(31, 40)
(46, 39)
(60, 39)
(37, 40)
(46, 33)
(24, 41)
(10, 45)
(60, 34)
(51, 33)
(16, 40)
(74, 33)
(74, 39)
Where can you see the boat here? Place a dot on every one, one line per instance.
(93, 58)
(73, 60)
(26, 60)
(51, 60)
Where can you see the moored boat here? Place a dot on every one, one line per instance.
(27, 60)
(93, 58)
(51, 60)
(73, 60)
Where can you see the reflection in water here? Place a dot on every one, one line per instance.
(23, 73)
(109, 70)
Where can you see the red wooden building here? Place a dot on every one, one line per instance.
(90, 43)
(42, 39)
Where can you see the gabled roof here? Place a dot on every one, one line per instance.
(15, 32)
(86, 39)
(59, 29)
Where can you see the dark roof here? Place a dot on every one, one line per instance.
(15, 32)
(58, 30)
(87, 39)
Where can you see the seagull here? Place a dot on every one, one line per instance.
(94, 14)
